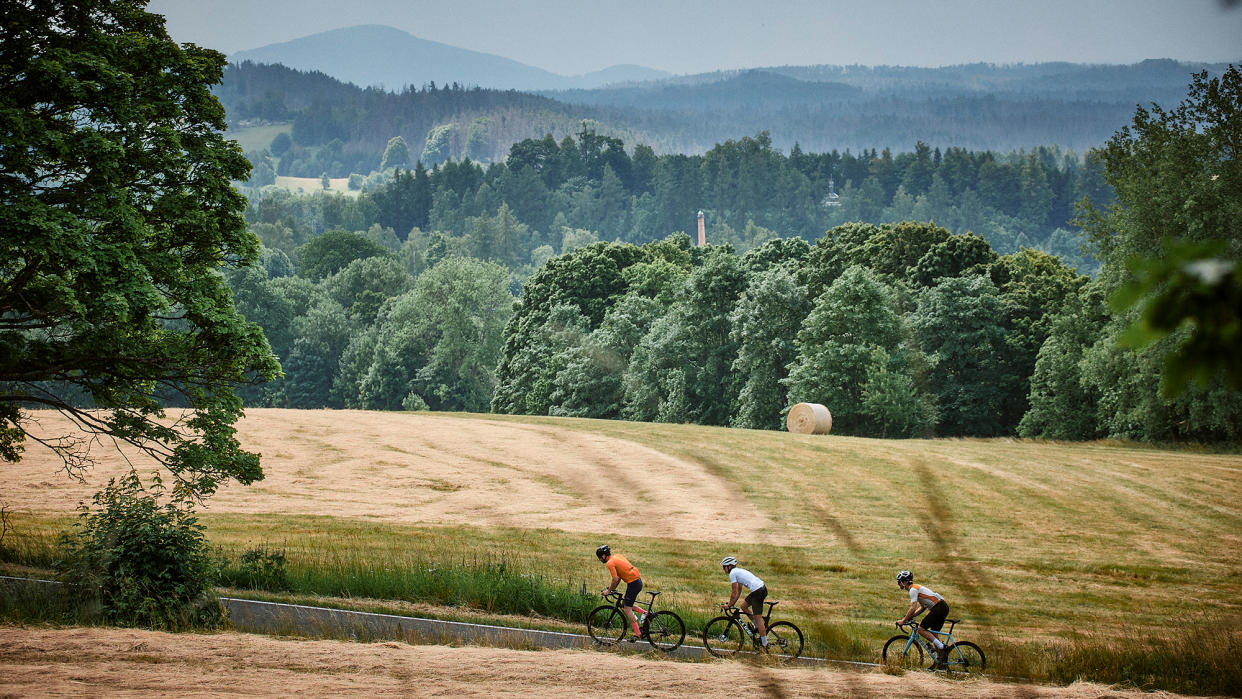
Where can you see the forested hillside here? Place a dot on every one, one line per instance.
(338, 129)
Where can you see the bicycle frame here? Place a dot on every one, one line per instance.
(664, 630)
(784, 637)
(616, 598)
(960, 656)
(916, 637)
(950, 643)
(737, 614)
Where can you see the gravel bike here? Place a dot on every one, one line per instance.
(726, 635)
(910, 651)
(607, 624)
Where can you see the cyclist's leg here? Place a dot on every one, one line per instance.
(627, 603)
(934, 621)
(755, 601)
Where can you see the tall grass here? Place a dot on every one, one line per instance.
(42, 603)
(492, 584)
(1191, 657)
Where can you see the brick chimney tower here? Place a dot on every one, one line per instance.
(702, 230)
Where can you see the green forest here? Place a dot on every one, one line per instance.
(936, 293)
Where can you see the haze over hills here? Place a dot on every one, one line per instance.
(376, 55)
(820, 108)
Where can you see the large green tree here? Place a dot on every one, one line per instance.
(959, 323)
(836, 356)
(682, 370)
(1172, 242)
(116, 217)
(1062, 405)
(764, 325)
(333, 251)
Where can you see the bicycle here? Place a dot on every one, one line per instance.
(906, 651)
(726, 635)
(607, 624)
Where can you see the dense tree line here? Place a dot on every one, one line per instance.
(549, 193)
(355, 326)
(901, 329)
(1164, 310)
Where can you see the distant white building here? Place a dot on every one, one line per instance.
(831, 198)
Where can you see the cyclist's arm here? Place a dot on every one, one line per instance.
(735, 591)
(612, 586)
(912, 612)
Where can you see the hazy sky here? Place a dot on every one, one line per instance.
(691, 36)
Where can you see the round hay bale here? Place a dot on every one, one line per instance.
(809, 418)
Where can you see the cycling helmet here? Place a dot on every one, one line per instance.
(905, 576)
(603, 551)
(728, 561)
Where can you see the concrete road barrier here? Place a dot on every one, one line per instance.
(255, 616)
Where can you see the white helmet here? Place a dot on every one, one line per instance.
(728, 561)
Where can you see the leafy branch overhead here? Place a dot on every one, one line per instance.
(116, 218)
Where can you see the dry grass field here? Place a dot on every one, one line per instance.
(1041, 547)
(310, 185)
(255, 138)
(126, 662)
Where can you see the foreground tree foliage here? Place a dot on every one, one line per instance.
(116, 217)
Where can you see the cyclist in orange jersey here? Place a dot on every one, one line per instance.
(923, 599)
(622, 569)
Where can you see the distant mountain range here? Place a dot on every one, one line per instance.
(376, 55)
(482, 104)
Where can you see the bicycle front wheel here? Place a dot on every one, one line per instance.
(723, 637)
(784, 640)
(665, 630)
(966, 657)
(607, 625)
(898, 657)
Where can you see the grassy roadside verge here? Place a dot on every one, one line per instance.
(537, 579)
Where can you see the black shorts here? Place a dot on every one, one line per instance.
(755, 599)
(631, 592)
(934, 621)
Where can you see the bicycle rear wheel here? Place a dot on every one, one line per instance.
(898, 657)
(665, 630)
(723, 637)
(607, 625)
(784, 640)
(966, 657)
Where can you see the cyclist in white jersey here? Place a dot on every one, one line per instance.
(923, 599)
(752, 605)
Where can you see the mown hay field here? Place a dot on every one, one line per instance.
(1040, 547)
(130, 662)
